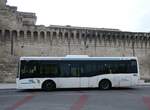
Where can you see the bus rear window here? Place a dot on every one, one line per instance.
(133, 66)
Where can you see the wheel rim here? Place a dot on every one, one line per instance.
(48, 86)
(104, 85)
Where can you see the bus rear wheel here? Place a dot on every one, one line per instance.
(48, 85)
(105, 84)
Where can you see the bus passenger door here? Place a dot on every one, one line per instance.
(88, 75)
(69, 77)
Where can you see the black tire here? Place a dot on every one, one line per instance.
(48, 85)
(105, 84)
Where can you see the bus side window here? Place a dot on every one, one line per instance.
(99, 68)
(76, 69)
(64, 69)
(106, 69)
(89, 69)
(49, 69)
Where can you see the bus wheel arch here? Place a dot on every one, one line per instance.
(48, 85)
(105, 84)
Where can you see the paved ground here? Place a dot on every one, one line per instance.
(13, 85)
(137, 98)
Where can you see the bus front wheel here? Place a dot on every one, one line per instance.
(48, 85)
(105, 84)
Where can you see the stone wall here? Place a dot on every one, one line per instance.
(27, 39)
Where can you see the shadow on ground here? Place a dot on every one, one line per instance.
(78, 89)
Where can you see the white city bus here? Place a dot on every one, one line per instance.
(77, 71)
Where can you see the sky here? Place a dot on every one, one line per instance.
(126, 15)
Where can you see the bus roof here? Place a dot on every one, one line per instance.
(77, 57)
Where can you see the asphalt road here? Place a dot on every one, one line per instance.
(137, 98)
